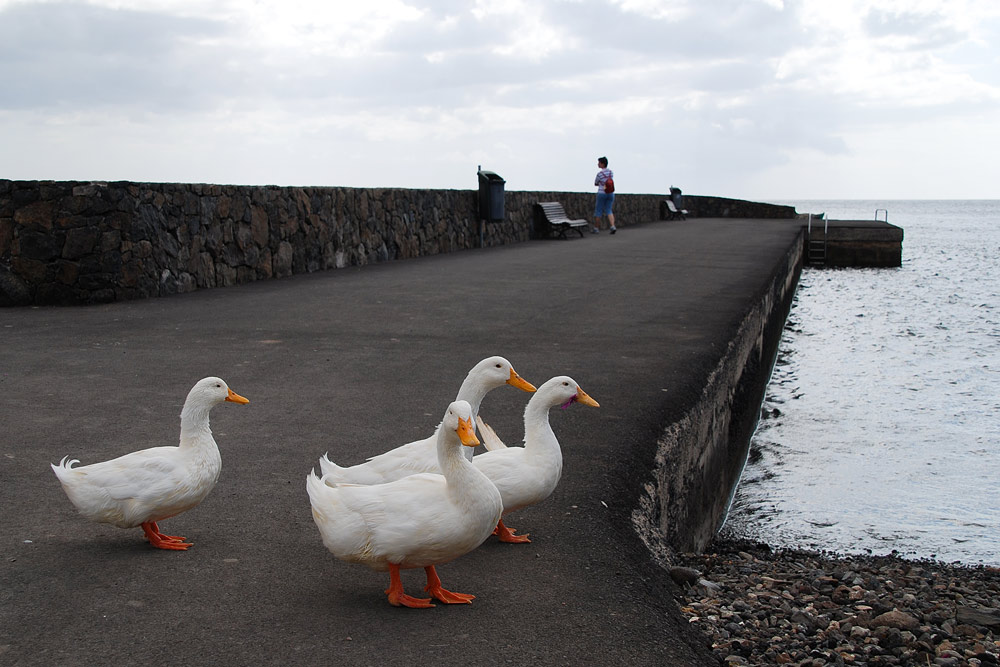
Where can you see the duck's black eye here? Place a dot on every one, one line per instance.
(499, 366)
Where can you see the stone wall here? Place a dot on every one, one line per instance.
(701, 456)
(74, 242)
(700, 206)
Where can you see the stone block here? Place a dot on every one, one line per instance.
(88, 190)
(263, 265)
(41, 246)
(117, 220)
(130, 274)
(245, 274)
(167, 283)
(6, 236)
(282, 262)
(209, 210)
(94, 282)
(231, 255)
(225, 276)
(204, 270)
(80, 241)
(243, 236)
(67, 272)
(259, 226)
(191, 203)
(106, 295)
(37, 215)
(146, 223)
(13, 290)
(54, 294)
(186, 283)
(224, 205)
(32, 271)
(167, 248)
(213, 238)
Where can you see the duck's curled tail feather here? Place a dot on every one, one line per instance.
(328, 467)
(318, 496)
(63, 466)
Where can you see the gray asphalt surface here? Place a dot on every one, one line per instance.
(354, 362)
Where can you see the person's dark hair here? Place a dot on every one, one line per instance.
(603, 161)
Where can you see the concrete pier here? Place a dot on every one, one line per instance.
(853, 243)
(670, 326)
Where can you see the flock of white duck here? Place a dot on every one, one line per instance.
(421, 504)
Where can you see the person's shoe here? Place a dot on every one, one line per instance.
(595, 230)
(613, 229)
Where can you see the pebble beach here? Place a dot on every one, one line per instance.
(758, 606)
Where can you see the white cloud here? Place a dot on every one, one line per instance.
(735, 98)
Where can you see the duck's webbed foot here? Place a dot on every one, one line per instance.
(506, 534)
(397, 598)
(438, 593)
(161, 541)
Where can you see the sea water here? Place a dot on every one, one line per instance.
(880, 429)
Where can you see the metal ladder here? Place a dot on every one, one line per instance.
(883, 210)
(816, 248)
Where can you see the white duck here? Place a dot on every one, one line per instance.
(421, 455)
(527, 475)
(150, 485)
(420, 521)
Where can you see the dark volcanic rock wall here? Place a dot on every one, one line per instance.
(74, 242)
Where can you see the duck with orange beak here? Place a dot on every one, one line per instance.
(528, 475)
(150, 485)
(420, 521)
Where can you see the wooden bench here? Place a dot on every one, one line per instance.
(550, 217)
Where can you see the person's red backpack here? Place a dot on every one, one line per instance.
(609, 185)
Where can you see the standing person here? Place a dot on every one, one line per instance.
(605, 196)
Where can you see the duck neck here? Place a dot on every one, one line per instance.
(538, 435)
(452, 459)
(194, 424)
(473, 391)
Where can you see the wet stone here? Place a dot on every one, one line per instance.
(805, 608)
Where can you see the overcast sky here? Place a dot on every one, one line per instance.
(756, 99)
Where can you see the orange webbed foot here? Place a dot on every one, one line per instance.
(397, 598)
(450, 597)
(173, 538)
(506, 534)
(439, 593)
(403, 600)
(161, 541)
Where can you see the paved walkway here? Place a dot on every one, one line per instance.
(353, 362)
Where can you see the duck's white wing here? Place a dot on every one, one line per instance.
(409, 459)
(150, 472)
(124, 490)
(491, 441)
(520, 482)
(398, 522)
(414, 457)
(504, 467)
(416, 521)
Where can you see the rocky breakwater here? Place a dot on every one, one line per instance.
(759, 607)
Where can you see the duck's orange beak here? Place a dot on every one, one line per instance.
(582, 397)
(467, 433)
(519, 382)
(236, 398)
